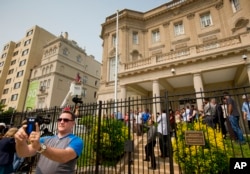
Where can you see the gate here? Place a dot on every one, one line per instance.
(112, 144)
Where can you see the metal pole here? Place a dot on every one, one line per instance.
(116, 57)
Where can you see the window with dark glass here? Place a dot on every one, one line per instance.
(4, 55)
(22, 62)
(25, 52)
(13, 62)
(15, 53)
(6, 47)
(19, 73)
(8, 81)
(27, 42)
(11, 71)
(3, 101)
(5, 91)
(14, 97)
(29, 33)
(17, 85)
(18, 44)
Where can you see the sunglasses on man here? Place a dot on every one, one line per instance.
(64, 120)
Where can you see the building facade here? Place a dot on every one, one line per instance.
(180, 46)
(63, 62)
(38, 70)
(17, 61)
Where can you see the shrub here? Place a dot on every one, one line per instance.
(211, 158)
(113, 135)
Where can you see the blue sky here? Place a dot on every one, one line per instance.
(82, 19)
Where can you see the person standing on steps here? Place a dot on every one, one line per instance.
(163, 133)
(151, 141)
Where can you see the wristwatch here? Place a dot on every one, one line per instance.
(42, 149)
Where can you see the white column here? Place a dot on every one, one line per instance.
(123, 92)
(198, 87)
(156, 93)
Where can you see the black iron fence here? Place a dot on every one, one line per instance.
(114, 145)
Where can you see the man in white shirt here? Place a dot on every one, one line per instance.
(162, 133)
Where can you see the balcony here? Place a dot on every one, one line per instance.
(189, 54)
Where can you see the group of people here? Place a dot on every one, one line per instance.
(57, 153)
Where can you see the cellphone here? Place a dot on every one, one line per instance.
(31, 125)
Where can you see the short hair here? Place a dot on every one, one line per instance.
(73, 116)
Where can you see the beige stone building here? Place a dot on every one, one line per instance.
(36, 72)
(17, 61)
(62, 61)
(180, 46)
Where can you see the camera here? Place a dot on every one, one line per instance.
(31, 123)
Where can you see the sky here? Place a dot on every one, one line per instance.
(82, 19)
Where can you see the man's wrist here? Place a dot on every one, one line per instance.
(42, 148)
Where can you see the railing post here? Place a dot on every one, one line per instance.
(98, 137)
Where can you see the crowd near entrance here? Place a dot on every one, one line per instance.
(162, 134)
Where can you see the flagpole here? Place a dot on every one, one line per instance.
(116, 57)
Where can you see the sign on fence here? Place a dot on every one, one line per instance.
(194, 138)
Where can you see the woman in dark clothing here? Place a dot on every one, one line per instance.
(7, 151)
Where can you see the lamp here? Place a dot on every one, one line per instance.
(173, 70)
(244, 57)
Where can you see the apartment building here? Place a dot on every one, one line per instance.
(63, 63)
(180, 46)
(36, 72)
(17, 61)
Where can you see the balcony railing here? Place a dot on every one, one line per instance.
(186, 53)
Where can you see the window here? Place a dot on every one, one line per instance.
(8, 81)
(235, 5)
(5, 91)
(18, 44)
(112, 69)
(29, 33)
(206, 20)
(13, 62)
(48, 83)
(96, 83)
(22, 62)
(25, 52)
(27, 42)
(135, 38)
(155, 36)
(17, 85)
(84, 92)
(11, 71)
(15, 53)
(135, 55)
(85, 80)
(14, 97)
(4, 55)
(1, 64)
(95, 94)
(41, 102)
(3, 101)
(6, 47)
(114, 40)
(178, 29)
(79, 59)
(65, 51)
(19, 73)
